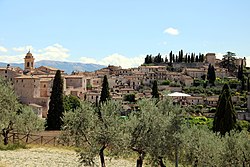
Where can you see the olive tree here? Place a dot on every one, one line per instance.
(14, 116)
(28, 122)
(165, 140)
(236, 149)
(94, 134)
(201, 147)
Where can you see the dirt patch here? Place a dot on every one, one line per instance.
(52, 157)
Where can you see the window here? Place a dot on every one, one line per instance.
(5, 71)
(44, 85)
(28, 64)
(22, 80)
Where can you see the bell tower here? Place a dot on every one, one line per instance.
(29, 62)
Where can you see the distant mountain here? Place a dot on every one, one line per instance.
(68, 67)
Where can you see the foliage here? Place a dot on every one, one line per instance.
(200, 120)
(27, 121)
(155, 93)
(94, 134)
(56, 108)
(129, 97)
(228, 62)
(225, 116)
(233, 83)
(71, 102)
(174, 84)
(105, 90)
(12, 146)
(8, 104)
(211, 77)
(14, 116)
(153, 129)
(236, 149)
(242, 125)
(199, 148)
(166, 82)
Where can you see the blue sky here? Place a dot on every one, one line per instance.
(121, 32)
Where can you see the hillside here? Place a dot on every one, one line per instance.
(68, 67)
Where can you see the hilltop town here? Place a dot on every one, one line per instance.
(33, 85)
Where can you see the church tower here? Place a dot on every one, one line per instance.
(29, 62)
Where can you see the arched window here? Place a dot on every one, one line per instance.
(28, 64)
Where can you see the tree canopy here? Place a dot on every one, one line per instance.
(14, 116)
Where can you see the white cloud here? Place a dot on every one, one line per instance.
(117, 60)
(52, 52)
(248, 61)
(171, 31)
(219, 55)
(12, 59)
(3, 49)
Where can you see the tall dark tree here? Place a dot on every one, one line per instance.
(181, 55)
(105, 90)
(192, 57)
(155, 93)
(189, 59)
(241, 75)
(186, 58)
(150, 59)
(248, 85)
(211, 77)
(225, 116)
(146, 59)
(166, 59)
(196, 58)
(56, 107)
(171, 57)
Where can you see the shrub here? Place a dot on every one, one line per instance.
(166, 82)
(12, 146)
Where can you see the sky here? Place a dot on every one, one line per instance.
(121, 32)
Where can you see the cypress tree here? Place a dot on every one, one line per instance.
(248, 84)
(192, 58)
(211, 77)
(242, 76)
(146, 59)
(56, 108)
(105, 90)
(240, 73)
(189, 59)
(171, 57)
(225, 116)
(155, 93)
